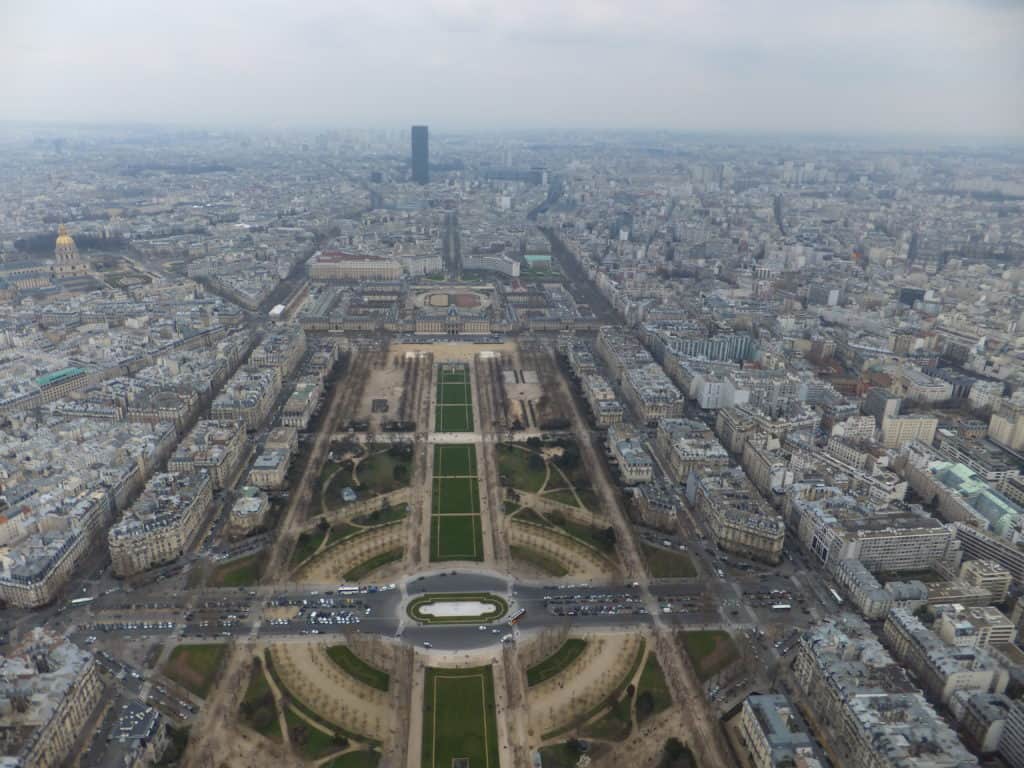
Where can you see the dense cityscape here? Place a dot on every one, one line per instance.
(664, 450)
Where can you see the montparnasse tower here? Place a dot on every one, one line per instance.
(69, 263)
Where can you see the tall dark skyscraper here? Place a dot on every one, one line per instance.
(420, 155)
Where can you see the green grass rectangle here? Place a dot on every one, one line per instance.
(455, 460)
(456, 496)
(456, 537)
(454, 418)
(459, 718)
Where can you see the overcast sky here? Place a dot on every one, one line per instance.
(948, 67)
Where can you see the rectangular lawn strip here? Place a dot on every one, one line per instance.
(365, 568)
(455, 460)
(456, 537)
(343, 656)
(556, 662)
(454, 418)
(611, 700)
(243, 572)
(456, 496)
(546, 563)
(195, 666)
(665, 564)
(459, 718)
(710, 650)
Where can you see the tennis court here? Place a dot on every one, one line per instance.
(454, 411)
(459, 722)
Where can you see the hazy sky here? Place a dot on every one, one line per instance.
(847, 66)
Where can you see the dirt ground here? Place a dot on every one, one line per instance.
(384, 383)
(309, 674)
(583, 684)
(218, 740)
(457, 352)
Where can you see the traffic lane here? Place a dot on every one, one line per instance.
(449, 581)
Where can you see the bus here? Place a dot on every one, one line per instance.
(348, 589)
(781, 607)
(835, 596)
(515, 617)
(81, 601)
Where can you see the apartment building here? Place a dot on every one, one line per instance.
(49, 688)
(898, 538)
(740, 520)
(685, 445)
(159, 526)
(776, 735)
(298, 409)
(249, 511)
(217, 446)
(941, 669)
(248, 396)
(873, 715)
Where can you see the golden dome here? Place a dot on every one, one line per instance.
(63, 238)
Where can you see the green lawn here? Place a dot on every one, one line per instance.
(515, 466)
(310, 742)
(307, 543)
(390, 514)
(590, 535)
(456, 496)
(456, 537)
(357, 668)
(195, 666)
(710, 650)
(459, 718)
(556, 662)
(243, 572)
(361, 759)
(257, 709)
(340, 532)
(652, 693)
(666, 564)
(563, 496)
(455, 460)
(454, 418)
(528, 515)
(364, 569)
(546, 563)
(564, 755)
(614, 725)
(384, 471)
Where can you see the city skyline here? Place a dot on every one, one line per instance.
(913, 68)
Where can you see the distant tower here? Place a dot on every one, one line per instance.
(420, 155)
(69, 263)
